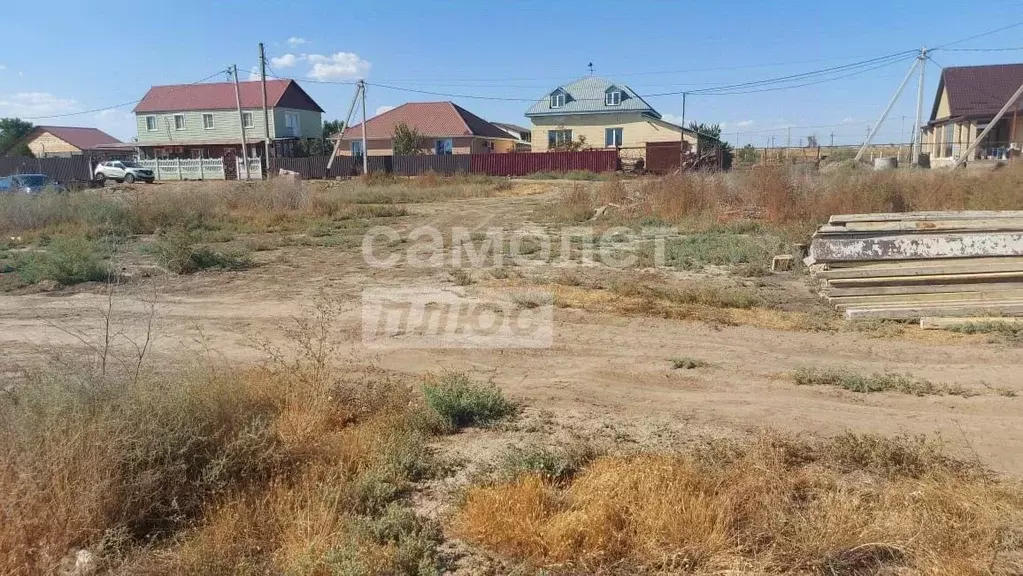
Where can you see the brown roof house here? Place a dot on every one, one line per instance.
(445, 127)
(201, 120)
(967, 99)
(51, 141)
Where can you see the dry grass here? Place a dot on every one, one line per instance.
(887, 382)
(851, 505)
(300, 466)
(794, 203)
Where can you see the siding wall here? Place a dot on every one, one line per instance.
(225, 125)
(47, 144)
(310, 123)
(636, 130)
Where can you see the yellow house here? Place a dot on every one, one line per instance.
(595, 112)
(51, 141)
(966, 102)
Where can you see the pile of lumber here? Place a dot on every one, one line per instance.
(914, 265)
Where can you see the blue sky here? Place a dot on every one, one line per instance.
(90, 55)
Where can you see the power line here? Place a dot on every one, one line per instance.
(110, 107)
(981, 35)
(984, 49)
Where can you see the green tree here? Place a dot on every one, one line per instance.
(331, 127)
(407, 141)
(12, 130)
(709, 139)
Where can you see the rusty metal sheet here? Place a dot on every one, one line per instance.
(916, 246)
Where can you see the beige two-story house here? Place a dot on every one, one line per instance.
(601, 114)
(202, 121)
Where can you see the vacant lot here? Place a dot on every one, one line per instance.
(233, 312)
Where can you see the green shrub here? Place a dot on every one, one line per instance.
(887, 382)
(178, 251)
(554, 463)
(460, 401)
(66, 260)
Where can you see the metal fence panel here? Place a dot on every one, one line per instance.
(446, 164)
(521, 164)
(68, 169)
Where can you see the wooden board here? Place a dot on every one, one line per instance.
(917, 246)
(829, 291)
(873, 264)
(926, 215)
(921, 299)
(926, 280)
(915, 312)
(995, 265)
(985, 224)
(941, 323)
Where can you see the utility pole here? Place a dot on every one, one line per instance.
(266, 114)
(241, 121)
(365, 150)
(918, 127)
(832, 138)
(788, 139)
(344, 127)
(682, 136)
(895, 98)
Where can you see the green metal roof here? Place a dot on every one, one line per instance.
(586, 96)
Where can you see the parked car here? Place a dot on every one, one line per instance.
(30, 184)
(123, 171)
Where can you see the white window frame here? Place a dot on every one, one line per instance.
(154, 127)
(356, 144)
(198, 153)
(617, 139)
(212, 123)
(557, 100)
(183, 125)
(562, 132)
(294, 128)
(248, 120)
(613, 98)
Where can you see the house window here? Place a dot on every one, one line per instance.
(613, 98)
(443, 147)
(151, 123)
(558, 138)
(247, 119)
(179, 121)
(207, 121)
(613, 137)
(198, 153)
(948, 140)
(356, 147)
(291, 123)
(557, 100)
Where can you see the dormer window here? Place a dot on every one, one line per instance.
(557, 100)
(613, 98)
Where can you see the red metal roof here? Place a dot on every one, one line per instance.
(431, 119)
(978, 91)
(221, 96)
(79, 137)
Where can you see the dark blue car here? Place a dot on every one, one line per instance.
(29, 184)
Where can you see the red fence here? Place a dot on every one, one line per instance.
(521, 164)
(508, 164)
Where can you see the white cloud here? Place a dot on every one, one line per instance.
(337, 66)
(672, 118)
(847, 120)
(254, 73)
(296, 41)
(33, 104)
(3, 67)
(21, 74)
(285, 61)
(744, 123)
(382, 109)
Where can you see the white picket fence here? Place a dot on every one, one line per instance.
(201, 169)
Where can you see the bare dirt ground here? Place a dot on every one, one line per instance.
(606, 373)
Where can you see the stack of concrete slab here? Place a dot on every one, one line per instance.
(914, 265)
